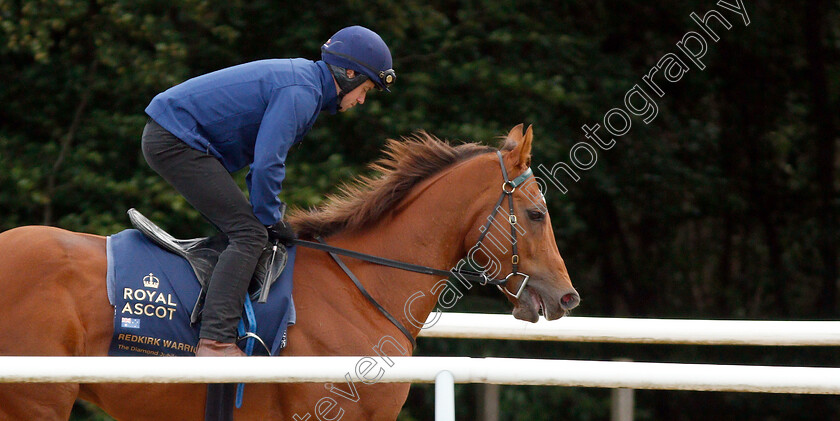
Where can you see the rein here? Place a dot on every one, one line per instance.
(472, 276)
(508, 187)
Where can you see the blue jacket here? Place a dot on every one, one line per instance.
(250, 114)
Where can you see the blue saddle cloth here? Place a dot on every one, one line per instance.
(153, 292)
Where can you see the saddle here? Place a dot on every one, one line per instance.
(203, 253)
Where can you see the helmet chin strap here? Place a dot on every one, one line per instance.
(346, 84)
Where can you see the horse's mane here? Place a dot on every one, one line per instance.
(367, 199)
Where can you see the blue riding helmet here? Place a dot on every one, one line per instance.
(362, 50)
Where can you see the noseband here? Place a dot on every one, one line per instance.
(508, 187)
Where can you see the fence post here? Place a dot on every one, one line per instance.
(488, 402)
(622, 405)
(444, 396)
(622, 402)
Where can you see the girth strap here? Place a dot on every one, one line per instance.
(364, 292)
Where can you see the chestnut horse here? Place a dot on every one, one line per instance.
(428, 206)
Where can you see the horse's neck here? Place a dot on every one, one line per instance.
(429, 230)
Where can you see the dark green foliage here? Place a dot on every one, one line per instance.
(724, 206)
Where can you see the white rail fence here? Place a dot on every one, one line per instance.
(661, 331)
(516, 371)
(450, 370)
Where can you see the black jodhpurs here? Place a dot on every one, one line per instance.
(202, 179)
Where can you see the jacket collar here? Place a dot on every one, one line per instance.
(330, 95)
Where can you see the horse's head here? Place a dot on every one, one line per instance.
(512, 237)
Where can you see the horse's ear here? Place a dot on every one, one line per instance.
(521, 153)
(514, 138)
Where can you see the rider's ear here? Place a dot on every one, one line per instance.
(521, 154)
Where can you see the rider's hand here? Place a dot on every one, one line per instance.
(282, 232)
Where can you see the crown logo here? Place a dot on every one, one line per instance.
(151, 281)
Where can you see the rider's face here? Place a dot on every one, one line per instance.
(356, 96)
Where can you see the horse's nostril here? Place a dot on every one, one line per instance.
(569, 301)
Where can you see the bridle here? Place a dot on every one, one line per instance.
(508, 187)
(479, 277)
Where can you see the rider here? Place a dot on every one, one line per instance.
(250, 115)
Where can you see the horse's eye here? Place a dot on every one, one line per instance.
(535, 215)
